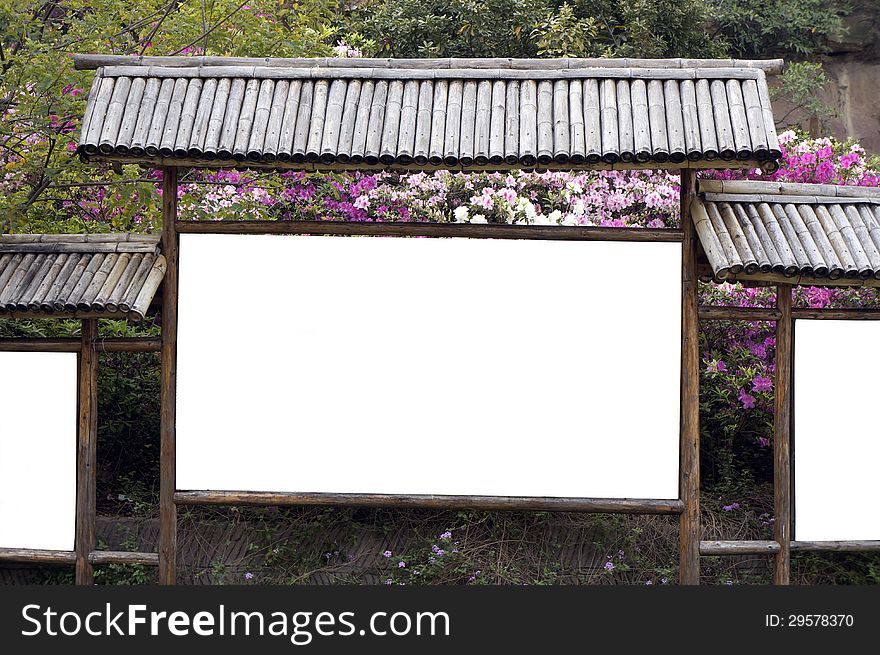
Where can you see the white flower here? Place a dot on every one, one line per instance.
(460, 214)
(541, 219)
(362, 202)
(554, 216)
(478, 218)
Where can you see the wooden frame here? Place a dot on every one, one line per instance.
(85, 557)
(171, 498)
(782, 544)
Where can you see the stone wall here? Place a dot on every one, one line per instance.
(853, 68)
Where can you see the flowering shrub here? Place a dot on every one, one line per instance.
(607, 198)
(820, 161)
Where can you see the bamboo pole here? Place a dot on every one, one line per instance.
(483, 122)
(781, 438)
(86, 513)
(496, 125)
(626, 142)
(657, 121)
(332, 122)
(406, 133)
(690, 120)
(592, 111)
(198, 133)
(289, 121)
(511, 124)
(689, 481)
(347, 124)
(361, 123)
(438, 122)
(168, 392)
(561, 136)
(610, 148)
(674, 121)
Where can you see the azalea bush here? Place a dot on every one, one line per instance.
(736, 410)
(612, 198)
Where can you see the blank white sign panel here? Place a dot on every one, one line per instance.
(446, 366)
(836, 431)
(38, 408)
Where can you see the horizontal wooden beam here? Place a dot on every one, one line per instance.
(123, 557)
(708, 313)
(129, 345)
(111, 345)
(739, 547)
(767, 279)
(90, 61)
(835, 546)
(32, 556)
(594, 505)
(843, 193)
(483, 231)
(40, 345)
(56, 315)
(771, 547)
(190, 162)
(837, 314)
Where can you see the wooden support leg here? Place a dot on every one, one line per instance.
(86, 515)
(689, 482)
(167, 455)
(782, 437)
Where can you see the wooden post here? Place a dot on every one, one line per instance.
(782, 437)
(86, 517)
(168, 393)
(689, 471)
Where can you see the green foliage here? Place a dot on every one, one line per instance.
(42, 187)
(653, 28)
(562, 34)
(124, 574)
(798, 86)
(449, 28)
(581, 28)
(753, 28)
(529, 28)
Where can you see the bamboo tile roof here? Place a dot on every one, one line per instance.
(430, 113)
(799, 233)
(83, 275)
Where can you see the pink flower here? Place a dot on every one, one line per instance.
(761, 383)
(848, 160)
(747, 400)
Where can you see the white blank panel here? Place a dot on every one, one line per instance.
(428, 366)
(38, 422)
(836, 430)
